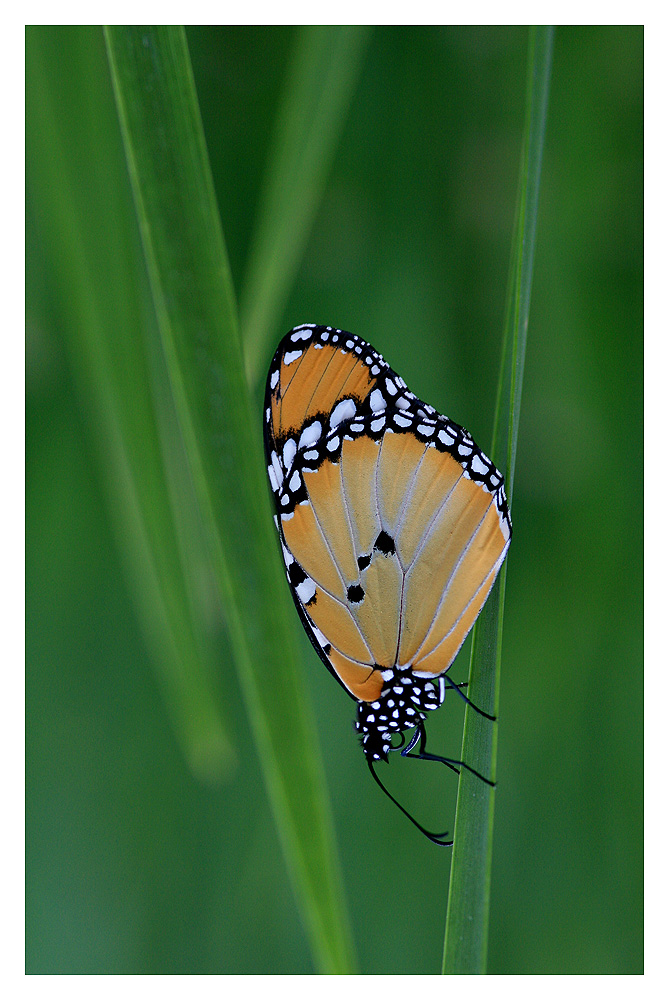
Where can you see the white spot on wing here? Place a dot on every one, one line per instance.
(278, 471)
(345, 410)
(306, 590)
(287, 555)
(301, 333)
(319, 637)
(376, 401)
(291, 356)
(289, 450)
(311, 434)
(478, 467)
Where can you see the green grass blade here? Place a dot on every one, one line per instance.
(466, 940)
(322, 76)
(81, 201)
(195, 305)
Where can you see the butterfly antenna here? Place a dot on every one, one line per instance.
(436, 838)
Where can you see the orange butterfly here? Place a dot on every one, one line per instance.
(393, 526)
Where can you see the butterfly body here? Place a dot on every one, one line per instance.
(393, 525)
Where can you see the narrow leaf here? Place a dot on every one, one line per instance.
(196, 310)
(466, 940)
(81, 201)
(322, 75)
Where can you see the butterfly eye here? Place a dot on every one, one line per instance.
(393, 526)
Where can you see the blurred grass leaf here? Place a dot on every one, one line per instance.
(466, 940)
(79, 196)
(321, 78)
(196, 310)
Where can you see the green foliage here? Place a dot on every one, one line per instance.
(466, 941)
(152, 846)
(78, 193)
(322, 72)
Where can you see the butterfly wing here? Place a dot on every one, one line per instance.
(393, 524)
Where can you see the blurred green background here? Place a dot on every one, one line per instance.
(135, 865)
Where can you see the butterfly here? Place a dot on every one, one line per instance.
(393, 527)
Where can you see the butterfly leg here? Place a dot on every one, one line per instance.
(456, 687)
(455, 765)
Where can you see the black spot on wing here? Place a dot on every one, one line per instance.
(384, 544)
(296, 574)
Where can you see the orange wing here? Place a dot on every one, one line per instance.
(393, 523)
